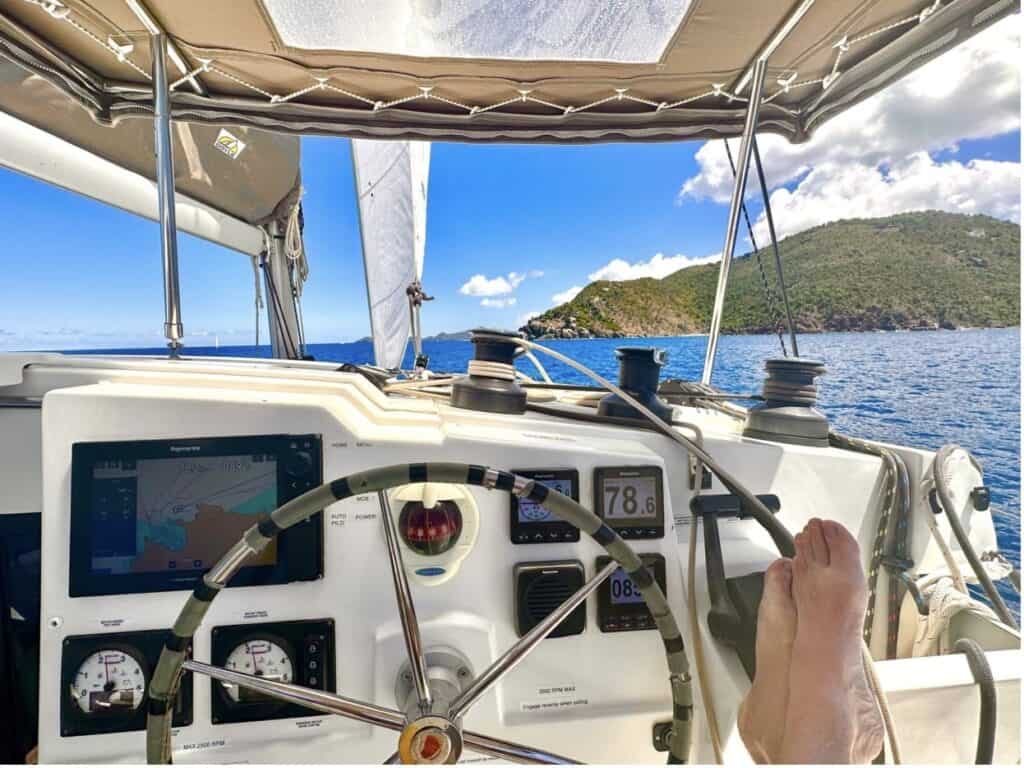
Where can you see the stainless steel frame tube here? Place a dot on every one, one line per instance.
(173, 329)
(743, 166)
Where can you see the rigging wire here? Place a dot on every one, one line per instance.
(780, 280)
(769, 296)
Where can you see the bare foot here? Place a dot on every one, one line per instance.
(762, 716)
(832, 715)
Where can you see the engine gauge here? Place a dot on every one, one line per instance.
(262, 656)
(109, 681)
(104, 681)
(296, 652)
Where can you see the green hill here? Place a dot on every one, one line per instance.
(914, 270)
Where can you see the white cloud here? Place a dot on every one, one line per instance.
(861, 161)
(478, 285)
(498, 303)
(849, 191)
(481, 285)
(567, 295)
(522, 319)
(658, 266)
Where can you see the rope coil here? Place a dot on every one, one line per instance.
(492, 370)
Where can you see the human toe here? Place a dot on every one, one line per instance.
(816, 538)
(778, 579)
(841, 544)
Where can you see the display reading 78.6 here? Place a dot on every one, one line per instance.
(633, 497)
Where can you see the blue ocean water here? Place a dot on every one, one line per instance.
(919, 389)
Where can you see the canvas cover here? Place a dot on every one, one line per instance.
(492, 70)
(249, 174)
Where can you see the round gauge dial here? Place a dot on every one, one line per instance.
(262, 657)
(109, 681)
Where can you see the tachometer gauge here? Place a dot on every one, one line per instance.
(109, 681)
(263, 657)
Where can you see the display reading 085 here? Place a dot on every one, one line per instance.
(620, 604)
(631, 500)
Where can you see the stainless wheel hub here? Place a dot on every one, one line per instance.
(430, 740)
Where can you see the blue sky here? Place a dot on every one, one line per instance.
(79, 274)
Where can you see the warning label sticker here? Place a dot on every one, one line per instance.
(229, 144)
(555, 698)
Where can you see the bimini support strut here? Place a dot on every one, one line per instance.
(284, 317)
(173, 329)
(754, 76)
(735, 205)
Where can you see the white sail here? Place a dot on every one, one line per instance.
(391, 184)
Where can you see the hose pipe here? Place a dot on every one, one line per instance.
(982, 672)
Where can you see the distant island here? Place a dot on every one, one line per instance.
(456, 336)
(913, 271)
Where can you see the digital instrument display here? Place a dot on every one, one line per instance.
(154, 515)
(623, 589)
(532, 523)
(631, 500)
(620, 604)
(164, 514)
(532, 512)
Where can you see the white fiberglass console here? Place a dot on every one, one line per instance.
(147, 485)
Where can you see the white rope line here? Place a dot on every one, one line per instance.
(294, 247)
(203, 67)
(59, 11)
(240, 81)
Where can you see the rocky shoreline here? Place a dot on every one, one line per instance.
(569, 328)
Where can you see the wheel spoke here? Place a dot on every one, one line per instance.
(527, 643)
(512, 752)
(321, 701)
(406, 610)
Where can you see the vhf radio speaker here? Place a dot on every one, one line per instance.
(541, 588)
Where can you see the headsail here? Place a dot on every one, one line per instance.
(391, 183)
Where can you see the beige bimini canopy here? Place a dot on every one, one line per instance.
(251, 175)
(489, 70)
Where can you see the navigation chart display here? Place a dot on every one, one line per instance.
(154, 515)
(165, 514)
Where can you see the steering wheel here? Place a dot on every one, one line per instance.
(430, 730)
